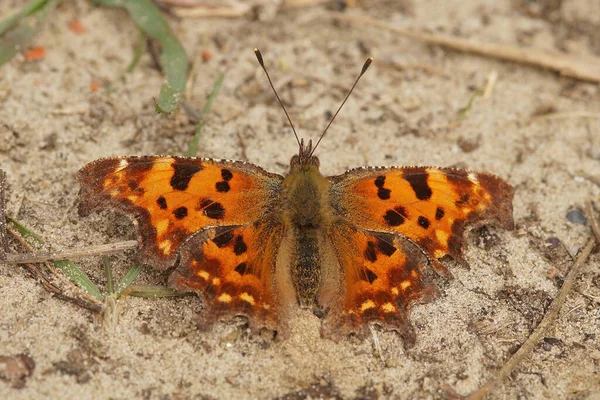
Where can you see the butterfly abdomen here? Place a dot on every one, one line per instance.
(306, 271)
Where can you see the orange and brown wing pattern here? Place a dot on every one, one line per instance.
(433, 207)
(384, 274)
(171, 198)
(232, 269)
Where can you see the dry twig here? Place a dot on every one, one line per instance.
(206, 9)
(589, 210)
(3, 237)
(581, 67)
(567, 115)
(36, 257)
(303, 3)
(56, 283)
(490, 84)
(549, 319)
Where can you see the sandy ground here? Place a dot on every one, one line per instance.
(404, 112)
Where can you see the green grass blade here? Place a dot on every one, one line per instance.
(17, 30)
(23, 230)
(77, 276)
(462, 113)
(154, 291)
(193, 147)
(129, 277)
(173, 58)
(69, 268)
(109, 276)
(29, 9)
(139, 49)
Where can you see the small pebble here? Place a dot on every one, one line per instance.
(576, 217)
(553, 242)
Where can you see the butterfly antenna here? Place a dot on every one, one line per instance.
(362, 72)
(262, 64)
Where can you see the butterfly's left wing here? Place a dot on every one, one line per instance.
(392, 223)
(432, 207)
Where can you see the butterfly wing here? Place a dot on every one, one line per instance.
(384, 274)
(171, 198)
(393, 222)
(232, 269)
(433, 207)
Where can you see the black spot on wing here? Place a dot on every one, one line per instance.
(183, 173)
(223, 239)
(439, 213)
(383, 193)
(241, 268)
(385, 247)
(418, 183)
(222, 187)
(396, 216)
(423, 222)
(226, 175)
(214, 211)
(370, 252)
(203, 203)
(180, 213)
(162, 203)
(240, 246)
(368, 275)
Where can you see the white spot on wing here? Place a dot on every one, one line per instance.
(473, 178)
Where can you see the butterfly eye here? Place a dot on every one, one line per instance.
(295, 160)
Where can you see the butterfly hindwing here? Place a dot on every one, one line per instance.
(433, 207)
(384, 274)
(171, 198)
(233, 271)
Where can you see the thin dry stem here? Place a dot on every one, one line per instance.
(491, 83)
(589, 210)
(207, 9)
(55, 282)
(549, 319)
(567, 115)
(3, 235)
(108, 248)
(581, 67)
(303, 3)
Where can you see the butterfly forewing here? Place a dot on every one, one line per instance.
(172, 198)
(432, 207)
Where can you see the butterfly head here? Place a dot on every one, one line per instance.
(304, 158)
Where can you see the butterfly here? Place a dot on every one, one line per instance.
(356, 248)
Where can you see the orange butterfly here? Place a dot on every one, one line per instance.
(354, 247)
